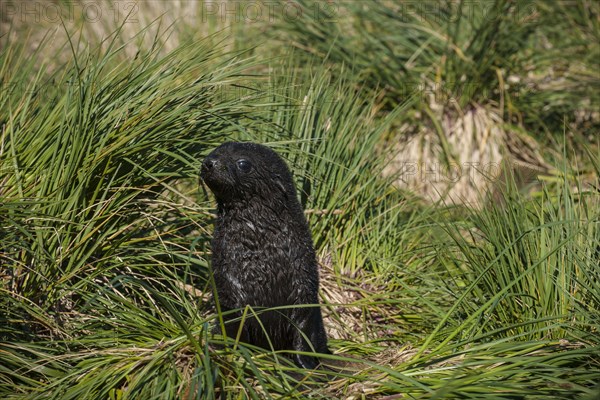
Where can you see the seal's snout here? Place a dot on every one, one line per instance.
(210, 163)
(208, 166)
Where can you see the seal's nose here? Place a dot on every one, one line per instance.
(209, 163)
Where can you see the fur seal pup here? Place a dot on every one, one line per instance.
(262, 250)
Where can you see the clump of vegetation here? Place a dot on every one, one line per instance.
(104, 233)
(485, 80)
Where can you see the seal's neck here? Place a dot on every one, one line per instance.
(257, 210)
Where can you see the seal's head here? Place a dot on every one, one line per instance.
(238, 172)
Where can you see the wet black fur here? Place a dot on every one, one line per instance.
(263, 255)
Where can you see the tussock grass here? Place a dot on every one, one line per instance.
(478, 73)
(104, 243)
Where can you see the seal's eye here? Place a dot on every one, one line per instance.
(244, 165)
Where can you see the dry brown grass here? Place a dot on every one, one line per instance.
(141, 24)
(465, 157)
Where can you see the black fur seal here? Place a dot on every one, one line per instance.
(263, 255)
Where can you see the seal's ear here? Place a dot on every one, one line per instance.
(279, 183)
